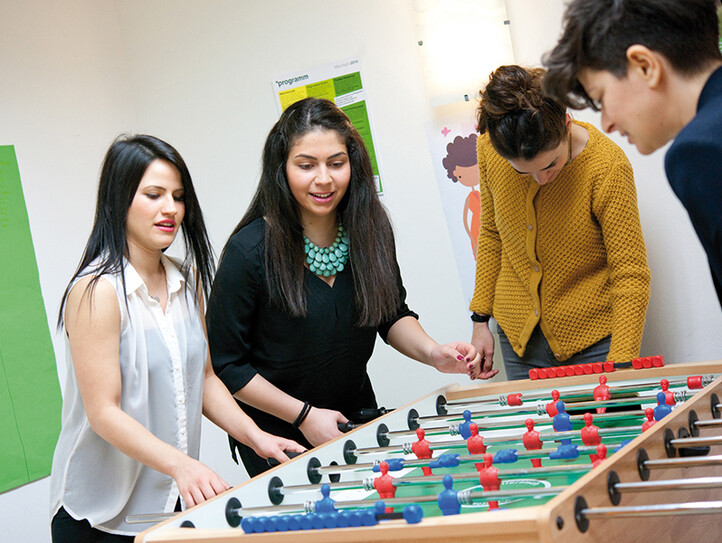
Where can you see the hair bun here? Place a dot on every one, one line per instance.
(511, 89)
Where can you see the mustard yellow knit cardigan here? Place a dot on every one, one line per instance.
(568, 255)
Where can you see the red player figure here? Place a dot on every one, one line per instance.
(601, 455)
(421, 449)
(649, 412)
(590, 434)
(532, 442)
(384, 484)
(601, 393)
(489, 478)
(667, 393)
(552, 406)
(475, 443)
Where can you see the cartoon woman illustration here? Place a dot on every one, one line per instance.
(461, 165)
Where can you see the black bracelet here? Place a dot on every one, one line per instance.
(480, 318)
(302, 415)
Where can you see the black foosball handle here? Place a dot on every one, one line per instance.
(346, 426)
(273, 462)
(362, 416)
(369, 413)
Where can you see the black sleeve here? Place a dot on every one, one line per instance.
(693, 171)
(402, 311)
(238, 290)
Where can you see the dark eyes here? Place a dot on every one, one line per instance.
(155, 196)
(307, 166)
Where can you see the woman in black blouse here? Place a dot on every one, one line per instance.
(306, 280)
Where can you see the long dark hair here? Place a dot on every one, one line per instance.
(521, 120)
(373, 254)
(124, 165)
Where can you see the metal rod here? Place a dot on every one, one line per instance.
(341, 485)
(415, 463)
(684, 442)
(338, 468)
(689, 462)
(460, 443)
(494, 494)
(528, 409)
(503, 424)
(586, 390)
(437, 479)
(670, 484)
(713, 423)
(390, 502)
(663, 509)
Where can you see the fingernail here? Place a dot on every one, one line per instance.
(468, 359)
(460, 357)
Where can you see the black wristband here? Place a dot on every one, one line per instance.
(480, 318)
(302, 415)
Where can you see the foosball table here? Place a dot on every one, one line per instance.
(626, 455)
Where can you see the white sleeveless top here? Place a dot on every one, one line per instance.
(162, 364)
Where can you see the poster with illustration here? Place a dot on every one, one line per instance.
(460, 43)
(452, 141)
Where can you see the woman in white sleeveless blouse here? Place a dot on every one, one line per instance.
(139, 373)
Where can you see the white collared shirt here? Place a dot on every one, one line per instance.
(162, 363)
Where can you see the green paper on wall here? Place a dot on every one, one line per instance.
(30, 400)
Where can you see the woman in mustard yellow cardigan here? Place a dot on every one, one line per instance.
(561, 262)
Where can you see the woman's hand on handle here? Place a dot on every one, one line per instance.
(268, 445)
(321, 425)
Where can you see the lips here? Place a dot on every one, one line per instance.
(322, 196)
(166, 226)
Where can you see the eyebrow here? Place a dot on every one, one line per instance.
(301, 155)
(158, 187)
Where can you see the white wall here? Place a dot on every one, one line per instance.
(64, 97)
(197, 73)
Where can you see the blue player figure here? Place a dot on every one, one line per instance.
(379, 508)
(562, 423)
(448, 501)
(662, 408)
(325, 504)
(464, 430)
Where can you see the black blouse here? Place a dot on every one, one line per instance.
(320, 358)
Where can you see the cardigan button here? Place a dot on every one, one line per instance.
(536, 268)
(536, 312)
(530, 227)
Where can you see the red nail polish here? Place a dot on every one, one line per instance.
(460, 357)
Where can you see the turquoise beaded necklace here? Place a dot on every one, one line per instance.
(327, 261)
